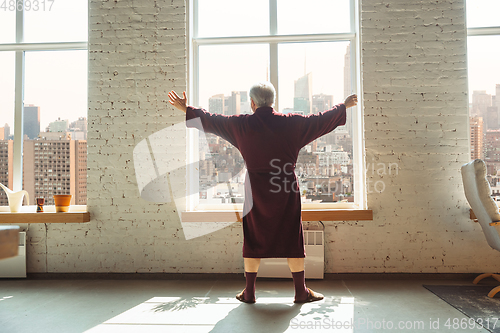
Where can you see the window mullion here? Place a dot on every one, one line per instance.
(273, 71)
(353, 13)
(19, 26)
(273, 17)
(44, 46)
(359, 180)
(275, 39)
(483, 31)
(18, 107)
(18, 123)
(273, 49)
(195, 18)
(192, 139)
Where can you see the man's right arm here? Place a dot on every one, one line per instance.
(316, 125)
(351, 100)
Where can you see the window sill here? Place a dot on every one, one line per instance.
(28, 214)
(307, 215)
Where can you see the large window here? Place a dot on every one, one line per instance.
(309, 54)
(43, 107)
(483, 50)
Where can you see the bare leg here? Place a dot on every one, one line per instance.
(251, 264)
(296, 264)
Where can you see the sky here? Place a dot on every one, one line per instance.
(483, 52)
(226, 68)
(56, 80)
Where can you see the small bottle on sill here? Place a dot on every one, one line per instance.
(39, 205)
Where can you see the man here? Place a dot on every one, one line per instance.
(270, 142)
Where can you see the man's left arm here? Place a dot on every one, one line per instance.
(224, 126)
(221, 125)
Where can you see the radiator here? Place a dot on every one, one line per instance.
(15, 267)
(314, 262)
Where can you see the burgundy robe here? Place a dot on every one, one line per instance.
(270, 142)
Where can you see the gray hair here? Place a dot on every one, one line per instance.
(262, 94)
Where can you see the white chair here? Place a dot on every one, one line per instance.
(478, 194)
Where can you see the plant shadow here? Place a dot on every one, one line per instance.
(182, 304)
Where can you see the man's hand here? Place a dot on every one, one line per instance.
(351, 100)
(179, 103)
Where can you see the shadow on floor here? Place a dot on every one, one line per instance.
(258, 318)
(276, 317)
(183, 304)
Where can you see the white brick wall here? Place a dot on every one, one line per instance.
(415, 98)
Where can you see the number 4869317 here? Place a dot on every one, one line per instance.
(26, 5)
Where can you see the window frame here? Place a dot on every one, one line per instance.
(19, 47)
(273, 40)
(483, 31)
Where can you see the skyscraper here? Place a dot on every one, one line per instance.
(31, 121)
(245, 103)
(55, 167)
(244, 96)
(80, 172)
(236, 103)
(492, 151)
(59, 125)
(302, 100)
(491, 122)
(6, 163)
(476, 137)
(233, 103)
(79, 126)
(216, 104)
(497, 96)
(480, 102)
(321, 102)
(6, 132)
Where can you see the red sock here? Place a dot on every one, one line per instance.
(249, 293)
(299, 281)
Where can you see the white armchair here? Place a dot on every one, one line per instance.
(478, 194)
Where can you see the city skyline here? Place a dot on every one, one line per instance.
(54, 162)
(50, 166)
(238, 103)
(32, 126)
(324, 166)
(484, 127)
(220, 63)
